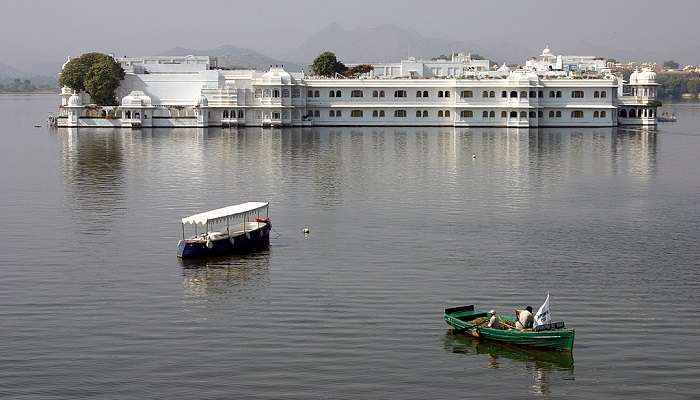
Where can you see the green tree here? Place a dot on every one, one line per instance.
(670, 64)
(358, 70)
(95, 73)
(327, 64)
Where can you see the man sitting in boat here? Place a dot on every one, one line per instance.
(524, 319)
(494, 321)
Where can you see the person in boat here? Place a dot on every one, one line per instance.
(494, 322)
(524, 319)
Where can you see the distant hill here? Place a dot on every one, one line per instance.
(235, 57)
(374, 44)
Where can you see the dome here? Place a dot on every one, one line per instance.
(202, 101)
(523, 77)
(75, 101)
(646, 76)
(634, 77)
(546, 52)
(503, 68)
(136, 98)
(277, 75)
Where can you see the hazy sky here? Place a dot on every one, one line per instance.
(42, 31)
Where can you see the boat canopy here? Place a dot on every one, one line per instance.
(222, 214)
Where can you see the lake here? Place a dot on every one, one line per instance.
(403, 223)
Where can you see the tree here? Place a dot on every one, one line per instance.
(95, 73)
(670, 64)
(357, 70)
(326, 64)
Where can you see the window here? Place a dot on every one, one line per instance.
(310, 113)
(331, 113)
(492, 114)
(275, 115)
(603, 94)
(399, 93)
(485, 93)
(241, 114)
(558, 114)
(551, 114)
(577, 114)
(425, 113)
(466, 114)
(331, 93)
(596, 114)
(533, 93)
(266, 92)
(633, 114)
(317, 114)
(375, 114)
(425, 93)
(596, 94)
(533, 114)
(513, 94)
(540, 93)
(285, 92)
(338, 93)
(296, 92)
(492, 94)
(577, 94)
(623, 113)
(317, 93)
(467, 93)
(558, 93)
(356, 113)
(447, 93)
(440, 114)
(356, 93)
(551, 93)
(375, 93)
(540, 114)
(400, 114)
(441, 93)
(523, 95)
(418, 114)
(310, 93)
(523, 114)
(258, 93)
(602, 113)
(504, 114)
(225, 114)
(419, 94)
(447, 113)
(504, 94)
(514, 114)
(485, 114)
(338, 114)
(381, 114)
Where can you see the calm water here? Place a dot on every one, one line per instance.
(94, 303)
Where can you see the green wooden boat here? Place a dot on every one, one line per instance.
(468, 320)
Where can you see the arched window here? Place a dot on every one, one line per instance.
(266, 92)
(338, 114)
(551, 113)
(492, 94)
(523, 114)
(577, 114)
(317, 114)
(418, 114)
(558, 93)
(485, 93)
(465, 93)
(504, 114)
(440, 114)
(485, 114)
(466, 114)
(602, 114)
(375, 93)
(425, 113)
(317, 93)
(523, 94)
(623, 113)
(310, 93)
(540, 93)
(375, 114)
(331, 93)
(419, 94)
(338, 93)
(225, 114)
(504, 94)
(425, 93)
(356, 113)
(381, 114)
(633, 114)
(533, 93)
(447, 93)
(513, 94)
(128, 114)
(310, 113)
(533, 114)
(240, 114)
(558, 114)
(331, 113)
(551, 93)
(137, 115)
(492, 114)
(577, 94)
(447, 113)
(400, 93)
(603, 94)
(596, 114)
(440, 93)
(275, 93)
(514, 114)
(356, 93)
(540, 114)
(400, 114)
(596, 94)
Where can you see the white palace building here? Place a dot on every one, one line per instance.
(549, 91)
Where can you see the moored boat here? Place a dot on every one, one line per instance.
(235, 229)
(552, 336)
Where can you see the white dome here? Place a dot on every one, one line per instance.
(523, 77)
(136, 98)
(646, 76)
(546, 52)
(503, 68)
(634, 76)
(277, 75)
(75, 101)
(202, 101)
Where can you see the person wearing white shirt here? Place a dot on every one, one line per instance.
(524, 318)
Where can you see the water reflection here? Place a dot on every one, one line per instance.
(236, 278)
(544, 366)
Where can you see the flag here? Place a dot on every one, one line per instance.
(543, 317)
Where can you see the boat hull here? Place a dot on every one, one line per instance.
(244, 243)
(460, 318)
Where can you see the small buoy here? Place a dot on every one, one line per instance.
(306, 230)
(473, 155)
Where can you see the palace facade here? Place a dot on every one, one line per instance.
(191, 91)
